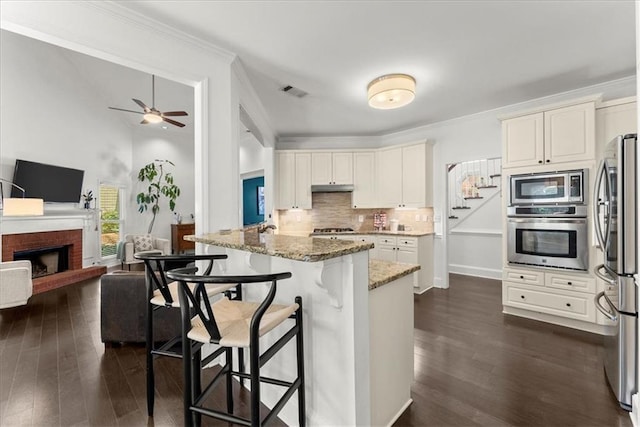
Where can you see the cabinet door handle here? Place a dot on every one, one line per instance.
(569, 283)
(354, 206)
(522, 296)
(522, 277)
(568, 304)
(539, 161)
(548, 161)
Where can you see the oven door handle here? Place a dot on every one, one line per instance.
(611, 315)
(606, 277)
(547, 220)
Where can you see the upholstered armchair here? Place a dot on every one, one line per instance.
(15, 283)
(135, 243)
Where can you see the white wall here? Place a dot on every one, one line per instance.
(49, 114)
(251, 153)
(176, 147)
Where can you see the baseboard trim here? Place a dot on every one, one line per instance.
(548, 318)
(400, 412)
(466, 270)
(417, 291)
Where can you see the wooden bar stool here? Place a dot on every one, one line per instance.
(162, 294)
(235, 324)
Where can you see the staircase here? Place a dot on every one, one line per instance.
(471, 185)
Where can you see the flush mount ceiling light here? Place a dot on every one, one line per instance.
(391, 91)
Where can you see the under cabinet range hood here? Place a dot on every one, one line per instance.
(332, 188)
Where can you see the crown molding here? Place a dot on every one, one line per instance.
(131, 17)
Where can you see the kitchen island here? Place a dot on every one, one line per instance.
(358, 338)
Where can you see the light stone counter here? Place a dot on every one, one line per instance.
(383, 272)
(305, 249)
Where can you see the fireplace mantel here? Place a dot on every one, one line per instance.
(50, 221)
(58, 220)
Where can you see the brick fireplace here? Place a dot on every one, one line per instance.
(70, 240)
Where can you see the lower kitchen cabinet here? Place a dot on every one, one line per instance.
(409, 250)
(555, 293)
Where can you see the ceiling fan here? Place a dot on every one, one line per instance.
(152, 115)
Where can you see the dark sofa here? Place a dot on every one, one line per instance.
(123, 307)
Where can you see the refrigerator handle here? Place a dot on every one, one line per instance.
(610, 280)
(611, 315)
(597, 203)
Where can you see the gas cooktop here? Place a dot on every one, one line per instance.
(333, 230)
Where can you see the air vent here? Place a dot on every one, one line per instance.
(294, 91)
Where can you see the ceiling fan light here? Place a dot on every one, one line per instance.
(152, 117)
(391, 91)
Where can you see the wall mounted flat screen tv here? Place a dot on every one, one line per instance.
(48, 182)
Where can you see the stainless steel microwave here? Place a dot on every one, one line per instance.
(549, 187)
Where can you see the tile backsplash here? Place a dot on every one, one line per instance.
(334, 210)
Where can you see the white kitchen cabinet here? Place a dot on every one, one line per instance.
(364, 180)
(523, 140)
(366, 238)
(560, 135)
(389, 177)
(409, 250)
(613, 118)
(404, 176)
(560, 294)
(329, 168)
(293, 172)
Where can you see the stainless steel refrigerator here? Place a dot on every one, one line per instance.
(616, 219)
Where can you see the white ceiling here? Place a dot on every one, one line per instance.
(467, 56)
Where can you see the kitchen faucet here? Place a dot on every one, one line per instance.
(264, 227)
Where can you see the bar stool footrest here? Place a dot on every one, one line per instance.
(221, 416)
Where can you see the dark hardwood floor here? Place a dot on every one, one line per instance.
(477, 366)
(473, 366)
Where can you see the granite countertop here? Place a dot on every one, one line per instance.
(296, 248)
(383, 272)
(373, 232)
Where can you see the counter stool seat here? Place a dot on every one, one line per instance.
(234, 318)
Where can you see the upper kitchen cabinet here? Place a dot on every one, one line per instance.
(404, 176)
(293, 174)
(331, 168)
(364, 180)
(613, 118)
(559, 135)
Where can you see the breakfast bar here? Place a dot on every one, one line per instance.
(358, 323)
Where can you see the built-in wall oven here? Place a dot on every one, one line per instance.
(548, 236)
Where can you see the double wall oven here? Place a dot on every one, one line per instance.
(547, 220)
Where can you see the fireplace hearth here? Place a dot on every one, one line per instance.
(56, 257)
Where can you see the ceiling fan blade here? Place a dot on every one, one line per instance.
(175, 113)
(173, 122)
(128, 111)
(141, 104)
(144, 122)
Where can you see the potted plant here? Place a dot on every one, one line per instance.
(87, 197)
(160, 183)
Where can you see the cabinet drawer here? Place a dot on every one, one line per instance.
(407, 242)
(524, 276)
(573, 283)
(572, 306)
(386, 241)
